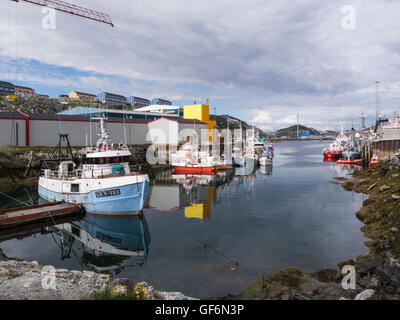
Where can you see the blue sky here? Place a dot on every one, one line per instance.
(264, 62)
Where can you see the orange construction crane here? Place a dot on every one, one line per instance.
(73, 9)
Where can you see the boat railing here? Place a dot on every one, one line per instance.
(87, 174)
(112, 147)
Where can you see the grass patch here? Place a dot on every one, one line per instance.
(18, 150)
(113, 294)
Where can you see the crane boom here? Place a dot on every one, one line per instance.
(73, 9)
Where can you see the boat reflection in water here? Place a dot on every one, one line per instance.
(195, 195)
(343, 170)
(243, 181)
(197, 192)
(266, 170)
(105, 244)
(190, 193)
(244, 171)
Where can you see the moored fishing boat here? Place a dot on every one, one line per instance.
(266, 158)
(102, 181)
(195, 168)
(332, 152)
(352, 153)
(237, 157)
(188, 160)
(335, 149)
(374, 160)
(350, 161)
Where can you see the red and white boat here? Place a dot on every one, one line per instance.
(195, 168)
(374, 160)
(334, 151)
(188, 160)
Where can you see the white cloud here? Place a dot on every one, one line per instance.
(290, 54)
(290, 119)
(264, 120)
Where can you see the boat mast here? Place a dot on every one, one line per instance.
(378, 112)
(104, 137)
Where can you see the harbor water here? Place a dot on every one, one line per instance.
(211, 236)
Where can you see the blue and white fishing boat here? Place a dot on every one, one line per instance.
(102, 182)
(267, 156)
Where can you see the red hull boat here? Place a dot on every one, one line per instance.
(194, 169)
(349, 161)
(328, 153)
(374, 160)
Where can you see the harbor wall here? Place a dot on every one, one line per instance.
(385, 145)
(383, 149)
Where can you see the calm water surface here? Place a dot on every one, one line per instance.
(211, 236)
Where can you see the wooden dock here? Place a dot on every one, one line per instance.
(26, 215)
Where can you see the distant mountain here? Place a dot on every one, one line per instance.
(292, 131)
(234, 123)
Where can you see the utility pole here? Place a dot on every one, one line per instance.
(362, 121)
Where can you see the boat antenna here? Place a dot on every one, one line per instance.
(378, 115)
(124, 115)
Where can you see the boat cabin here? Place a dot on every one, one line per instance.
(106, 163)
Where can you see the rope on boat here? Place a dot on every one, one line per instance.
(8, 196)
(48, 213)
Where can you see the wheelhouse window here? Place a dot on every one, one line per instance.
(108, 160)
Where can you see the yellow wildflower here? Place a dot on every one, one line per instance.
(137, 292)
(115, 290)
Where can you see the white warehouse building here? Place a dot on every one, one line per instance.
(21, 129)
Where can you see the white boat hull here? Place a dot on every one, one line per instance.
(265, 161)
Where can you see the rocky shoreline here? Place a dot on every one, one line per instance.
(378, 273)
(23, 280)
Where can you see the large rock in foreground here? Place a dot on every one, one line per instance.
(22, 280)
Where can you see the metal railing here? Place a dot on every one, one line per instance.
(87, 174)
